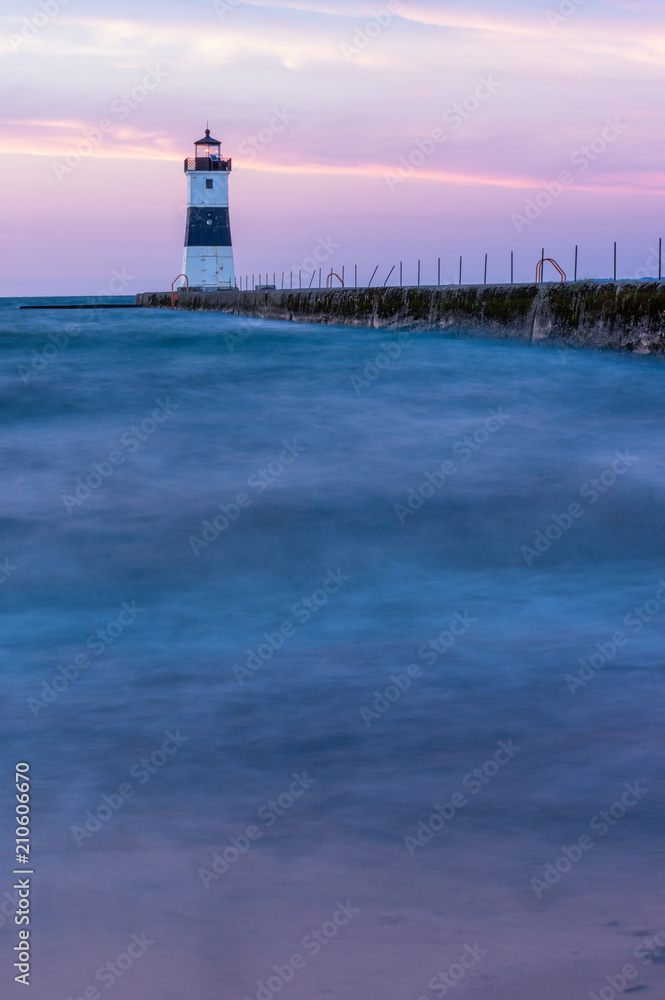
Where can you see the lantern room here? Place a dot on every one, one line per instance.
(207, 155)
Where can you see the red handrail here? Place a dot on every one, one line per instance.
(331, 276)
(540, 266)
(174, 297)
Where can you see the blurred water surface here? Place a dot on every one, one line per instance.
(261, 639)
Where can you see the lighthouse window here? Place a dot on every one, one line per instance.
(209, 184)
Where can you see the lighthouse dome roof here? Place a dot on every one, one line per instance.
(207, 139)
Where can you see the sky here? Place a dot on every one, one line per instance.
(361, 134)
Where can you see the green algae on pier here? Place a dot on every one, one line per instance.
(618, 315)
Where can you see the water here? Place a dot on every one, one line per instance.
(234, 398)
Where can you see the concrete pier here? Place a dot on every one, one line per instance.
(619, 315)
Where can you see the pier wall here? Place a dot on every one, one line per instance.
(619, 315)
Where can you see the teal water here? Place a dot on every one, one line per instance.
(207, 533)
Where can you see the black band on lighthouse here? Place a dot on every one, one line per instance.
(208, 227)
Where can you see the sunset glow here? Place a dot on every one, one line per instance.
(361, 90)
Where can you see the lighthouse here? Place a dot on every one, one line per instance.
(208, 258)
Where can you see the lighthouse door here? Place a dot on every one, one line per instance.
(209, 270)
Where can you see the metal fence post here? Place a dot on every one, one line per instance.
(355, 281)
(460, 270)
(418, 274)
(660, 259)
(438, 280)
(512, 267)
(542, 266)
(485, 278)
(576, 249)
(401, 284)
(615, 261)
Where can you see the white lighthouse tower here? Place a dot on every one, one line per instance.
(208, 259)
